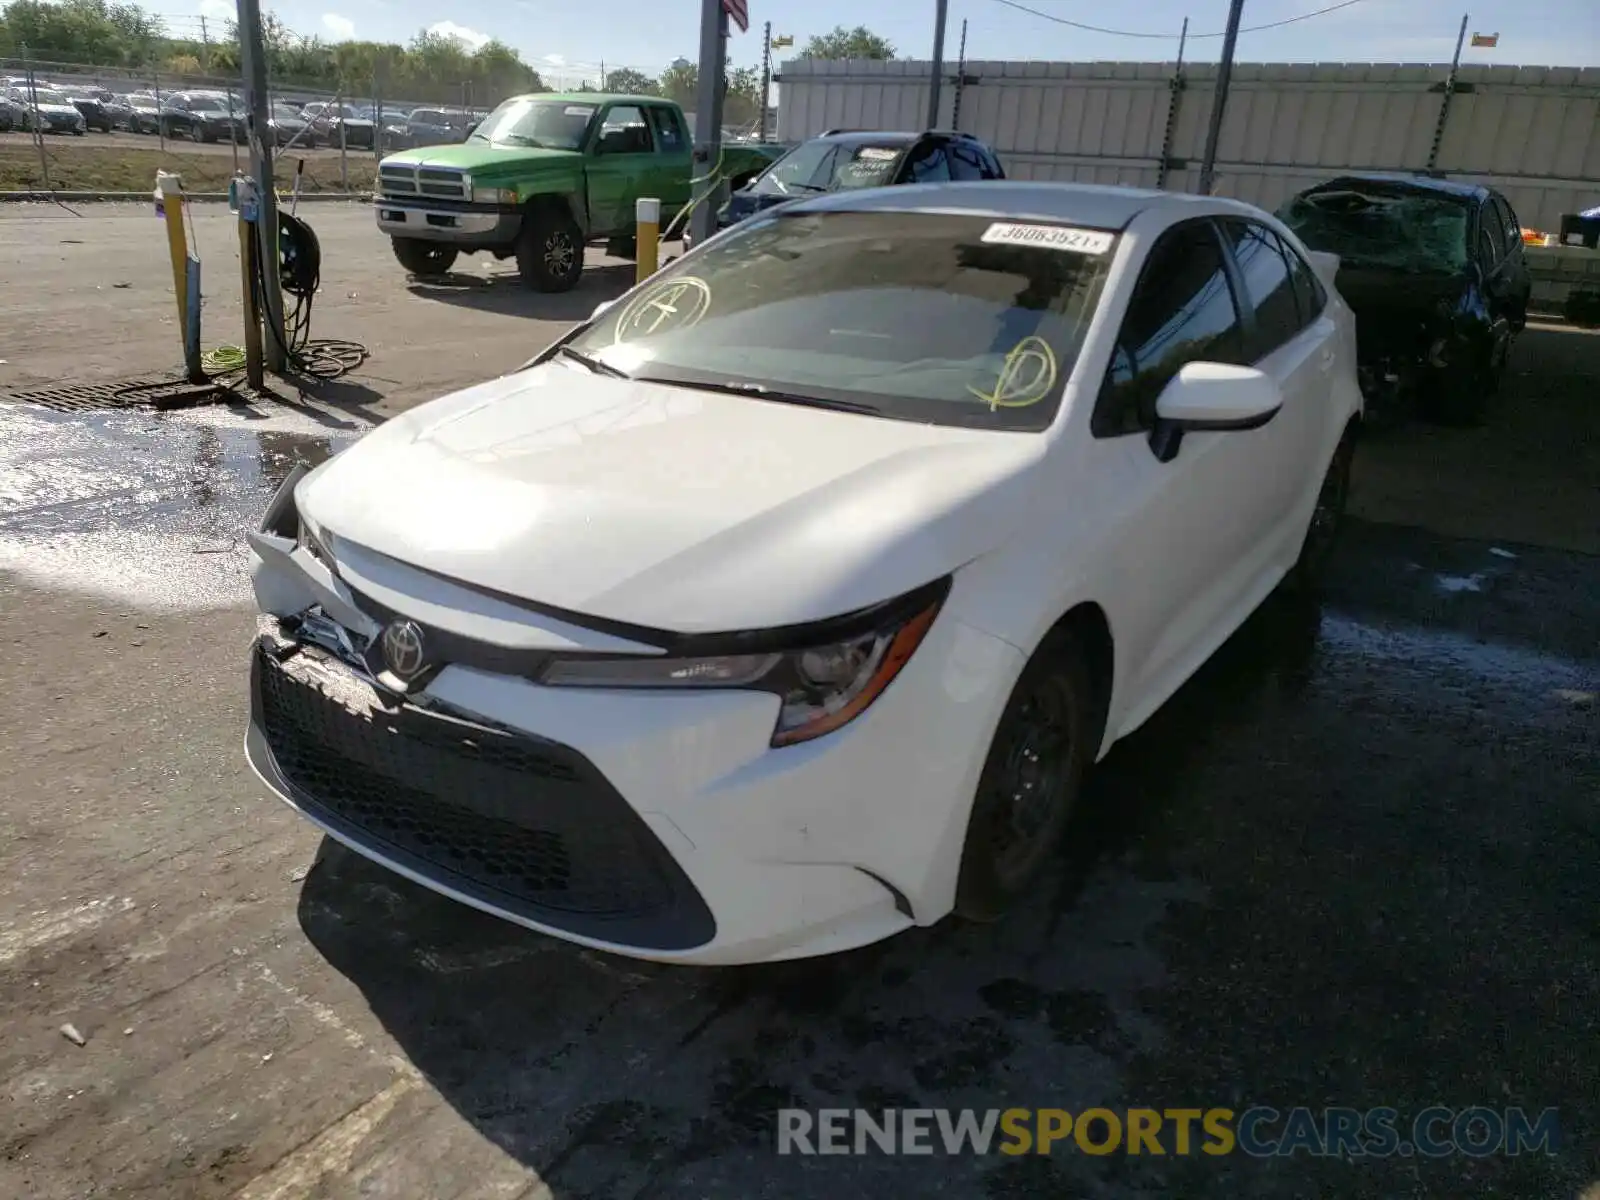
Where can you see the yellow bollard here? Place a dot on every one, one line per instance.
(647, 241)
(169, 204)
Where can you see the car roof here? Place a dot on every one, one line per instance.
(1096, 206)
(1420, 183)
(593, 98)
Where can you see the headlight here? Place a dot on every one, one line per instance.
(488, 195)
(823, 684)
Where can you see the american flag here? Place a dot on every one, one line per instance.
(739, 13)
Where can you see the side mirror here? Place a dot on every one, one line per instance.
(1212, 397)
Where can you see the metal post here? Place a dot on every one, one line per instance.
(254, 55)
(766, 78)
(647, 237)
(33, 116)
(941, 12)
(344, 161)
(205, 46)
(1208, 165)
(249, 259)
(961, 78)
(708, 117)
(1175, 86)
(1449, 92)
(233, 138)
(161, 126)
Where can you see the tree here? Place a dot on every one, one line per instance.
(628, 82)
(681, 84)
(859, 42)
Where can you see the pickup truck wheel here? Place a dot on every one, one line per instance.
(427, 259)
(550, 252)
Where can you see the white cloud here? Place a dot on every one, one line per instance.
(220, 10)
(340, 27)
(471, 37)
(555, 60)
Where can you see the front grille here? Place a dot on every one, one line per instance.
(526, 825)
(404, 179)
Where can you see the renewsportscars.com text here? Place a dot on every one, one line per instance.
(1259, 1132)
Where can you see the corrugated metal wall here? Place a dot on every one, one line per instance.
(1533, 132)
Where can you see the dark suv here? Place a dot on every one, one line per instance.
(842, 158)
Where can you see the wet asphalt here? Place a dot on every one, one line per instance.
(1353, 863)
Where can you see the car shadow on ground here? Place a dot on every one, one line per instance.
(500, 290)
(611, 1077)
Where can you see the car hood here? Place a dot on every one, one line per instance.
(482, 158)
(50, 106)
(671, 508)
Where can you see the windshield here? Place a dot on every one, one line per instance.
(820, 166)
(550, 124)
(1379, 227)
(943, 318)
(282, 112)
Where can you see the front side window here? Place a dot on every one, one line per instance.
(543, 124)
(966, 163)
(1268, 286)
(623, 131)
(912, 316)
(1182, 311)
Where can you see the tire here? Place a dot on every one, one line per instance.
(1327, 519)
(205, 136)
(1045, 742)
(428, 260)
(550, 252)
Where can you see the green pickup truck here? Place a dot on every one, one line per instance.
(542, 177)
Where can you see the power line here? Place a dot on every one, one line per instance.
(1171, 37)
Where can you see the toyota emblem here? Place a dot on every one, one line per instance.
(403, 649)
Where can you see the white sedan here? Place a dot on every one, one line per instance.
(783, 605)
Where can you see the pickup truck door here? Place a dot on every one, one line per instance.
(674, 167)
(621, 168)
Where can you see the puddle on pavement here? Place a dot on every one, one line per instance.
(146, 507)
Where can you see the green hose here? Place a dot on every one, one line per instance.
(224, 360)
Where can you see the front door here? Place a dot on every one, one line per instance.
(622, 161)
(674, 165)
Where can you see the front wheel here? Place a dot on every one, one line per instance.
(1042, 747)
(427, 259)
(550, 252)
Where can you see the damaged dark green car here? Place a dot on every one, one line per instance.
(1435, 273)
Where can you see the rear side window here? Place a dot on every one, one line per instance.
(1268, 287)
(669, 131)
(996, 171)
(1508, 220)
(929, 164)
(966, 163)
(1309, 293)
(1182, 311)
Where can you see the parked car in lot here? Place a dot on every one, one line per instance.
(437, 126)
(14, 113)
(144, 113)
(541, 178)
(204, 118)
(339, 124)
(47, 109)
(839, 159)
(1436, 274)
(290, 127)
(783, 605)
(96, 104)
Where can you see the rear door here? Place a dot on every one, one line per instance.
(621, 161)
(674, 167)
(1300, 352)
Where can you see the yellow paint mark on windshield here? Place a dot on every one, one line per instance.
(670, 306)
(1025, 377)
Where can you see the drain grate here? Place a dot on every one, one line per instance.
(98, 397)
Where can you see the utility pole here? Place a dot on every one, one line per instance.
(766, 78)
(708, 116)
(961, 78)
(941, 11)
(254, 55)
(205, 47)
(1449, 94)
(1208, 164)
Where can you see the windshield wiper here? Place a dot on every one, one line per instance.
(762, 392)
(593, 363)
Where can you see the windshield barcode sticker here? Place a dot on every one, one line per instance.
(1049, 237)
(576, 111)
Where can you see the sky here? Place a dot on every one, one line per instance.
(569, 41)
